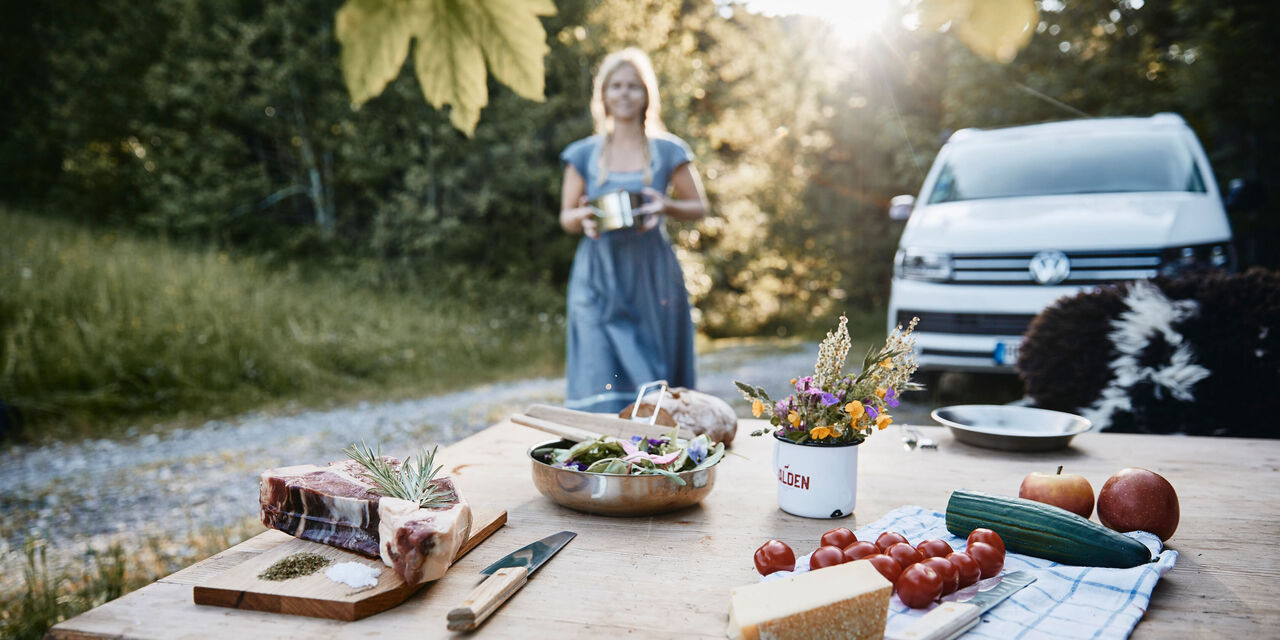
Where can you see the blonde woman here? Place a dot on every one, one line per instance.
(629, 316)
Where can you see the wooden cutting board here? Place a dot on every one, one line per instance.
(316, 595)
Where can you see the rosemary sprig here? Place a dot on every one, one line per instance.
(411, 481)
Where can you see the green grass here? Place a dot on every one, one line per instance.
(100, 329)
(49, 594)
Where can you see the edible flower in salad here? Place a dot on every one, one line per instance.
(667, 455)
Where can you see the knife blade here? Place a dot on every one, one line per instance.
(951, 619)
(503, 579)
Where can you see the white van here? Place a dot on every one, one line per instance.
(1009, 220)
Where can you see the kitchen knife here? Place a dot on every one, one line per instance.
(951, 619)
(505, 577)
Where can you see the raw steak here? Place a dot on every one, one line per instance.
(336, 505)
(333, 505)
(420, 543)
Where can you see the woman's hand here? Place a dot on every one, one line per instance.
(581, 218)
(575, 215)
(656, 204)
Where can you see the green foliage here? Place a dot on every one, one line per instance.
(455, 38)
(53, 591)
(101, 323)
(228, 123)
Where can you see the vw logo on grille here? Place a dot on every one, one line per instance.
(1050, 267)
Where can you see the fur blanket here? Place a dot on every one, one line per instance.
(1194, 355)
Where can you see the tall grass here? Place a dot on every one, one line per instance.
(95, 325)
(52, 592)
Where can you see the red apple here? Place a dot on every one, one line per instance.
(1139, 500)
(1070, 491)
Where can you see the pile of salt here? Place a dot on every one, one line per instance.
(353, 574)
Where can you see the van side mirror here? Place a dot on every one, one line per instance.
(1243, 195)
(900, 207)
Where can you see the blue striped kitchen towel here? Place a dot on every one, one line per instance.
(1064, 602)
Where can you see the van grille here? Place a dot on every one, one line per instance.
(984, 324)
(1087, 267)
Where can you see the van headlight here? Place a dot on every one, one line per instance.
(1178, 261)
(916, 264)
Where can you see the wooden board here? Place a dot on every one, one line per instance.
(316, 595)
(598, 423)
(648, 576)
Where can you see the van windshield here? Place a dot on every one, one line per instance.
(1088, 163)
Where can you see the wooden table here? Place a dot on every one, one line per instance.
(670, 575)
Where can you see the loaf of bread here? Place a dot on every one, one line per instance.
(845, 601)
(693, 410)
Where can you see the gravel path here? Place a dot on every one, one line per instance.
(94, 492)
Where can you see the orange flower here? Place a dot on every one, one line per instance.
(818, 433)
(880, 391)
(855, 410)
(887, 363)
(757, 408)
(793, 381)
(794, 419)
(883, 421)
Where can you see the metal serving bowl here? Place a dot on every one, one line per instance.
(618, 495)
(1011, 428)
(618, 210)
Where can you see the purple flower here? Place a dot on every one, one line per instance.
(698, 450)
(828, 399)
(871, 411)
(636, 439)
(891, 398)
(657, 442)
(804, 383)
(781, 408)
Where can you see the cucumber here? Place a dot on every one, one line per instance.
(1044, 531)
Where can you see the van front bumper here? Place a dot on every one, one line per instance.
(969, 327)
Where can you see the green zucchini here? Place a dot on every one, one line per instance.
(1042, 530)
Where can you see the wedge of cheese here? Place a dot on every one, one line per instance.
(848, 600)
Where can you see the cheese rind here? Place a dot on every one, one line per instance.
(849, 600)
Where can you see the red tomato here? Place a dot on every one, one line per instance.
(966, 566)
(774, 556)
(988, 536)
(919, 585)
(888, 539)
(989, 558)
(826, 557)
(934, 548)
(946, 571)
(905, 554)
(888, 567)
(841, 537)
(860, 550)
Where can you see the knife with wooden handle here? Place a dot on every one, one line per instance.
(951, 619)
(504, 579)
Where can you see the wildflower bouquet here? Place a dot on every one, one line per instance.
(830, 407)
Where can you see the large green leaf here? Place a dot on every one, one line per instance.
(454, 41)
(994, 29)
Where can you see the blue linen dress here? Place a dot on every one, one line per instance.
(628, 309)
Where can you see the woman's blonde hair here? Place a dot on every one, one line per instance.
(650, 118)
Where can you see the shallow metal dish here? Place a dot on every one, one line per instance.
(1011, 428)
(618, 495)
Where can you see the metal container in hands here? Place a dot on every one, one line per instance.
(618, 210)
(615, 494)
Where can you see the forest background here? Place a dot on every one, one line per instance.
(195, 217)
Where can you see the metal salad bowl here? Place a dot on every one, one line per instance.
(1011, 428)
(615, 494)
